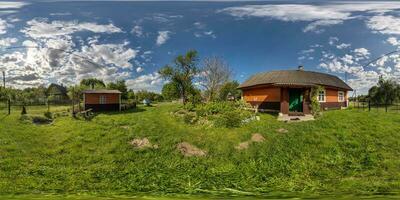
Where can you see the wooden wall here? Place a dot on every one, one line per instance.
(95, 98)
(271, 94)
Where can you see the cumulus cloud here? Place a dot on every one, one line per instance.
(162, 37)
(42, 28)
(385, 24)
(393, 41)
(319, 15)
(343, 46)
(151, 82)
(139, 69)
(3, 26)
(137, 31)
(53, 53)
(6, 42)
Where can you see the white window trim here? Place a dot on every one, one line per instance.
(344, 96)
(102, 99)
(324, 97)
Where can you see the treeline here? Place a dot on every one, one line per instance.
(385, 92)
(188, 80)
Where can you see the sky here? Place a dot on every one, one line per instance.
(132, 40)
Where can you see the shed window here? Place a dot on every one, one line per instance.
(321, 96)
(340, 96)
(102, 99)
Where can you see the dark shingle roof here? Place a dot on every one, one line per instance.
(101, 92)
(295, 77)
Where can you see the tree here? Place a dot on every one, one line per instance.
(182, 73)
(385, 92)
(93, 83)
(229, 88)
(214, 74)
(170, 91)
(121, 86)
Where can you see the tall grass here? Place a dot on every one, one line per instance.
(344, 151)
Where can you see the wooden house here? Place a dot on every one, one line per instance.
(288, 91)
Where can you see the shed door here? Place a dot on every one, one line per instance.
(295, 100)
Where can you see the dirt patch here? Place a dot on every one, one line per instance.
(190, 150)
(243, 145)
(142, 144)
(256, 137)
(282, 130)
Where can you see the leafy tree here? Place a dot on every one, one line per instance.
(144, 94)
(131, 95)
(182, 73)
(230, 88)
(121, 86)
(170, 91)
(93, 83)
(385, 92)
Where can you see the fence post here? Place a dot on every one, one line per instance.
(9, 106)
(369, 105)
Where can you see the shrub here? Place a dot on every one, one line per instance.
(37, 119)
(229, 119)
(189, 106)
(49, 115)
(315, 105)
(23, 112)
(190, 118)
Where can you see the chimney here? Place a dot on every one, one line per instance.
(300, 68)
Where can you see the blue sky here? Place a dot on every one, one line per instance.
(132, 40)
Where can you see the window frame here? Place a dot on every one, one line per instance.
(102, 99)
(324, 100)
(343, 95)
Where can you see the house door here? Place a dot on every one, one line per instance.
(295, 100)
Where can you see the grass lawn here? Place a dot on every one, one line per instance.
(344, 152)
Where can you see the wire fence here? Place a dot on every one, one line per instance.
(375, 107)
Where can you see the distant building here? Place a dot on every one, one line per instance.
(57, 93)
(102, 100)
(287, 91)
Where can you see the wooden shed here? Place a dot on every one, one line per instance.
(102, 100)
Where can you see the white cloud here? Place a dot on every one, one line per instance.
(384, 24)
(333, 40)
(137, 31)
(151, 82)
(393, 41)
(139, 69)
(6, 42)
(162, 37)
(41, 28)
(325, 14)
(3, 26)
(362, 52)
(343, 46)
(110, 54)
(12, 4)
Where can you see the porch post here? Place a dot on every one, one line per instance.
(284, 101)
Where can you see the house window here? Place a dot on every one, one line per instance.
(321, 96)
(102, 99)
(340, 96)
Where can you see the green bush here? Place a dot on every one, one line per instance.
(49, 115)
(190, 118)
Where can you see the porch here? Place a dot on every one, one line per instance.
(295, 101)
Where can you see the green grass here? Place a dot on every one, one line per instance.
(344, 152)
